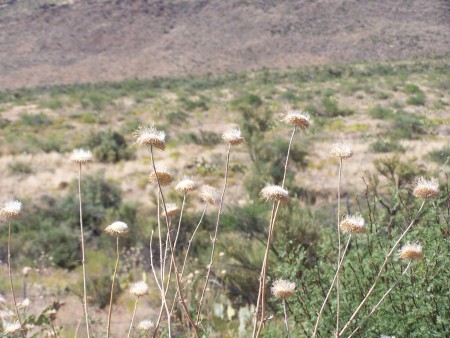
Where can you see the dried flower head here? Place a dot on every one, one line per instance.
(341, 150)
(26, 270)
(11, 209)
(411, 251)
(164, 178)
(209, 195)
(117, 229)
(352, 224)
(145, 325)
(81, 156)
(12, 328)
(25, 303)
(149, 136)
(171, 208)
(282, 288)
(139, 289)
(185, 185)
(275, 193)
(297, 118)
(233, 137)
(426, 188)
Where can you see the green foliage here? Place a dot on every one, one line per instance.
(99, 288)
(19, 167)
(440, 156)
(417, 100)
(108, 146)
(332, 109)
(35, 120)
(386, 146)
(52, 226)
(408, 126)
(379, 112)
(204, 138)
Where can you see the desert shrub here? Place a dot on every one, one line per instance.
(440, 156)
(332, 109)
(408, 126)
(198, 104)
(176, 117)
(19, 167)
(248, 99)
(412, 89)
(386, 146)
(99, 289)
(108, 146)
(379, 112)
(417, 100)
(204, 138)
(35, 120)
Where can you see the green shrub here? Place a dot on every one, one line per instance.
(440, 156)
(379, 112)
(386, 146)
(417, 100)
(204, 138)
(408, 126)
(331, 108)
(35, 120)
(99, 289)
(412, 89)
(19, 167)
(108, 146)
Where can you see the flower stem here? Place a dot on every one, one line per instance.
(338, 287)
(108, 327)
(214, 239)
(286, 318)
(177, 277)
(83, 259)
(11, 280)
(330, 289)
(132, 317)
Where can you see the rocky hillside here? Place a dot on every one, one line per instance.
(46, 42)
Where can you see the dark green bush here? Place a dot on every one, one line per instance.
(35, 120)
(440, 156)
(108, 146)
(417, 100)
(386, 146)
(19, 167)
(379, 112)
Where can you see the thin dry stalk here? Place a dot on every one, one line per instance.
(214, 239)
(262, 282)
(11, 280)
(338, 288)
(160, 240)
(163, 295)
(379, 302)
(83, 259)
(132, 317)
(177, 277)
(187, 253)
(330, 289)
(286, 319)
(111, 297)
(388, 255)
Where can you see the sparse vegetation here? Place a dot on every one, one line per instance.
(304, 244)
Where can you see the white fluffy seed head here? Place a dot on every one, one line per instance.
(117, 229)
(161, 176)
(209, 195)
(185, 185)
(426, 189)
(282, 288)
(297, 118)
(341, 150)
(171, 208)
(81, 156)
(150, 136)
(233, 137)
(11, 209)
(12, 328)
(273, 192)
(411, 251)
(145, 325)
(352, 224)
(139, 289)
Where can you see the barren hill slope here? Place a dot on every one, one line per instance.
(45, 42)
